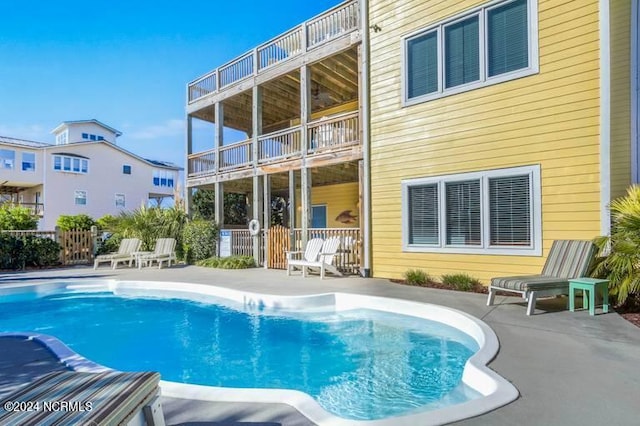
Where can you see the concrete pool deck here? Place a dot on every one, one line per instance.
(570, 368)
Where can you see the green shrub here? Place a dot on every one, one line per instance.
(110, 244)
(416, 277)
(620, 252)
(19, 252)
(461, 281)
(151, 223)
(41, 251)
(16, 218)
(199, 238)
(232, 262)
(107, 223)
(79, 221)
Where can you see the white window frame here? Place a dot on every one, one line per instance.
(166, 175)
(77, 194)
(481, 11)
(120, 196)
(82, 162)
(7, 163)
(534, 249)
(33, 163)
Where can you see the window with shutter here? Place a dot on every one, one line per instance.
(423, 215)
(463, 213)
(492, 211)
(510, 211)
(490, 44)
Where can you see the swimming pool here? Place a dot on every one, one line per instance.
(356, 356)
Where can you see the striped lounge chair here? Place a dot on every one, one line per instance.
(567, 259)
(83, 398)
(126, 253)
(164, 251)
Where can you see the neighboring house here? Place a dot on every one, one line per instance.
(85, 172)
(483, 130)
(297, 100)
(496, 128)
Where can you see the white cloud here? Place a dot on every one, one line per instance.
(170, 128)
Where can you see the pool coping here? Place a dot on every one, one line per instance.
(495, 389)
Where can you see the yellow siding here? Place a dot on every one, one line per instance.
(550, 118)
(620, 97)
(338, 198)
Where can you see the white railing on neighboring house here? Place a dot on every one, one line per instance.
(336, 22)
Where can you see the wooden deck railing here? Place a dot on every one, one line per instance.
(338, 21)
(324, 135)
(334, 132)
(236, 156)
(202, 163)
(279, 145)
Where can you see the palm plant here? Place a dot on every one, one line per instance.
(151, 223)
(621, 264)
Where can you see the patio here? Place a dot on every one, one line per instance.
(554, 358)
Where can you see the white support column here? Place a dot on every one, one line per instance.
(305, 200)
(257, 207)
(218, 133)
(292, 199)
(218, 207)
(188, 199)
(256, 116)
(266, 211)
(305, 107)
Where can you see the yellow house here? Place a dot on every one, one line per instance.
(497, 127)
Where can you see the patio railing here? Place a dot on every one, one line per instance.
(336, 22)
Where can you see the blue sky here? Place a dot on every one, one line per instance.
(125, 63)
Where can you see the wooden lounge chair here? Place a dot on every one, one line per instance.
(104, 398)
(326, 257)
(164, 251)
(125, 253)
(567, 259)
(302, 259)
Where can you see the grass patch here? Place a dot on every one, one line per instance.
(462, 282)
(232, 262)
(416, 277)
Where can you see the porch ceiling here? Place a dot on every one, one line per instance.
(334, 81)
(320, 176)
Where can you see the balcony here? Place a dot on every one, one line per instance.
(330, 139)
(305, 39)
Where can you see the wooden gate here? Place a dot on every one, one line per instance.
(77, 247)
(277, 244)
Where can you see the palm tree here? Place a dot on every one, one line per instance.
(622, 249)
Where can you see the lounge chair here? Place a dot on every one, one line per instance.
(326, 257)
(567, 259)
(104, 398)
(302, 259)
(125, 253)
(164, 251)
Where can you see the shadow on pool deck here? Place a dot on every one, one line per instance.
(570, 368)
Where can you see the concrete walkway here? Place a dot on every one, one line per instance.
(570, 368)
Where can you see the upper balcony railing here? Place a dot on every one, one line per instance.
(323, 135)
(327, 26)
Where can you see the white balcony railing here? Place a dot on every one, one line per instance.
(327, 134)
(336, 22)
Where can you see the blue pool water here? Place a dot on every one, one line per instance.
(358, 364)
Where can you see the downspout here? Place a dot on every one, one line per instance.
(366, 145)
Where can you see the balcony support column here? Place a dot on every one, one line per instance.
(188, 199)
(305, 200)
(218, 133)
(257, 206)
(305, 173)
(266, 211)
(218, 207)
(256, 120)
(258, 192)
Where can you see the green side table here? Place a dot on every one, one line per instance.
(592, 285)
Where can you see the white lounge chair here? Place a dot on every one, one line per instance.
(125, 253)
(324, 259)
(164, 251)
(303, 259)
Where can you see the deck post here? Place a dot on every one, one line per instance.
(188, 200)
(218, 207)
(218, 132)
(257, 206)
(266, 211)
(305, 200)
(258, 194)
(256, 117)
(292, 209)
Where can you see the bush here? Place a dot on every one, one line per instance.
(16, 218)
(462, 282)
(107, 223)
(80, 221)
(416, 277)
(19, 252)
(109, 244)
(150, 223)
(199, 240)
(620, 261)
(232, 262)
